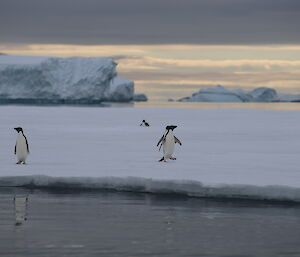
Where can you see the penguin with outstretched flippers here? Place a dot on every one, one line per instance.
(168, 141)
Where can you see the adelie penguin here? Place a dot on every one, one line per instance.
(168, 141)
(145, 124)
(21, 147)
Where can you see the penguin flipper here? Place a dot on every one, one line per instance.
(27, 144)
(160, 146)
(177, 140)
(160, 140)
(15, 148)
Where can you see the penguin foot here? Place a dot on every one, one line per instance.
(19, 162)
(162, 159)
(173, 158)
(24, 163)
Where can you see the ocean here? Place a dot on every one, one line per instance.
(107, 223)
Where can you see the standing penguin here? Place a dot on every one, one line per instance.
(168, 141)
(21, 147)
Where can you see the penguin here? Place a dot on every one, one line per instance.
(145, 124)
(168, 141)
(21, 147)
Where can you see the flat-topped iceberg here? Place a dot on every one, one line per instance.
(62, 80)
(221, 94)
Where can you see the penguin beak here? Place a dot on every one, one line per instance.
(173, 127)
(16, 129)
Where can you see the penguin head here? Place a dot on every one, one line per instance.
(143, 121)
(172, 127)
(19, 129)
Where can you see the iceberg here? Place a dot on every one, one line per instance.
(264, 94)
(217, 94)
(140, 98)
(221, 94)
(62, 80)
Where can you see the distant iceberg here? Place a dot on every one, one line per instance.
(140, 98)
(221, 94)
(28, 79)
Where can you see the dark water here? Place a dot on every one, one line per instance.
(93, 223)
(160, 104)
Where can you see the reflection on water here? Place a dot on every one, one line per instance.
(75, 103)
(205, 105)
(91, 223)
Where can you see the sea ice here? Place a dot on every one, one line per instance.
(234, 153)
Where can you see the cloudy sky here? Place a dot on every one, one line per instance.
(166, 45)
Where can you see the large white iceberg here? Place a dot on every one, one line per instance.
(74, 80)
(221, 94)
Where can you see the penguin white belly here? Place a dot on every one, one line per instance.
(21, 148)
(169, 145)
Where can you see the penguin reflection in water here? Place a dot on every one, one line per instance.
(21, 147)
(168, 141)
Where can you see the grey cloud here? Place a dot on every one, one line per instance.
(150, 22)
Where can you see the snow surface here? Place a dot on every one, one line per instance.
(221, 94)
(234, 153)
(70, 79)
